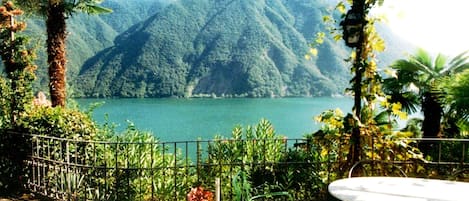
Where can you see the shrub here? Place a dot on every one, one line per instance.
(251, 152)
(58, 122)
(138, 167)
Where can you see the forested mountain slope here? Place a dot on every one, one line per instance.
(222, 47)
(185, 48)
(90, 34)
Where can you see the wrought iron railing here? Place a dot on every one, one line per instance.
(70, 169)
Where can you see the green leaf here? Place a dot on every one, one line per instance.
(380, 46)
(440, 62)
(326, 18)
(337, 37)
(94, 9)
(341, 7)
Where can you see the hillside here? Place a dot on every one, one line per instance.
(90, 34)
(226, 48)
(186, 48)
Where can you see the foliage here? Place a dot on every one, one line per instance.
(5, 92)
(298, 174)
(63, 124)
(144, 167)
(417, 81)
(456, 97)
(58, 122)
(379, 143)
(40, 7)
(248, 157)
(241, 186)
(368, 133)
(15, 96)
(18, 61)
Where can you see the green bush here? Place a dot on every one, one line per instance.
(139, 167)
(251, 153)
(4, 104)
(58, 122)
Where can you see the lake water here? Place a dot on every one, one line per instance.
(190, 119)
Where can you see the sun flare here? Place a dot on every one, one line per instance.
(437, 26)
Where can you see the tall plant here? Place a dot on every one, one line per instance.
(15, 95)
(368, 133)
(456, 101)
(365, 85)
(17, 59)
(56, 12)
(140, 168)
(247, 158)
(417, 82)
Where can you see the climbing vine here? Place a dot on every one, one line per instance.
(18, 61)
(15, 96)
(368, 133)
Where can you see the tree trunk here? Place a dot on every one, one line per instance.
(432, 113)
(56, 35)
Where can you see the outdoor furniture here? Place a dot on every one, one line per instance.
(398, 189)
(362, 163)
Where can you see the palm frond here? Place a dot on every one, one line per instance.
(410, 101)
(403, 64)
(422, 57)
(425, 69)
(440, 63)
(93, 9)
(458, 64)
(382, 118)
(420, 63)
(459, 59)
(459, 69)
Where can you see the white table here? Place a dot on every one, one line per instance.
(398, 189)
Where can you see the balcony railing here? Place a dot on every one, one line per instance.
(67, 169)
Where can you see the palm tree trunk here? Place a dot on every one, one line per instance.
(56, 35)
(432, 113)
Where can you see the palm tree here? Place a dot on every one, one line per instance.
(56, 12)
(457, 101)
(417, 82)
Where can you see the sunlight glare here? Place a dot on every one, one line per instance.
(435, 25)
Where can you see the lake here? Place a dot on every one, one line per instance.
(190, 119)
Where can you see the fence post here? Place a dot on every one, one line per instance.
(117, 182)
(217, 189)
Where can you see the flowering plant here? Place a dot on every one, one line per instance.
(199, 194)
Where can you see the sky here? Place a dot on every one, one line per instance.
(439, 26)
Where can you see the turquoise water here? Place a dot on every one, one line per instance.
(190, 119)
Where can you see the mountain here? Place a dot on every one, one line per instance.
(90, 34)
(221, 47)
(186, 48)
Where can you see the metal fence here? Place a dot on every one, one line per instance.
(67, 169)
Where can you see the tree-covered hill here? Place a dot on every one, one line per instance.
(89, 35)
(176, 48)
(222, 47)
